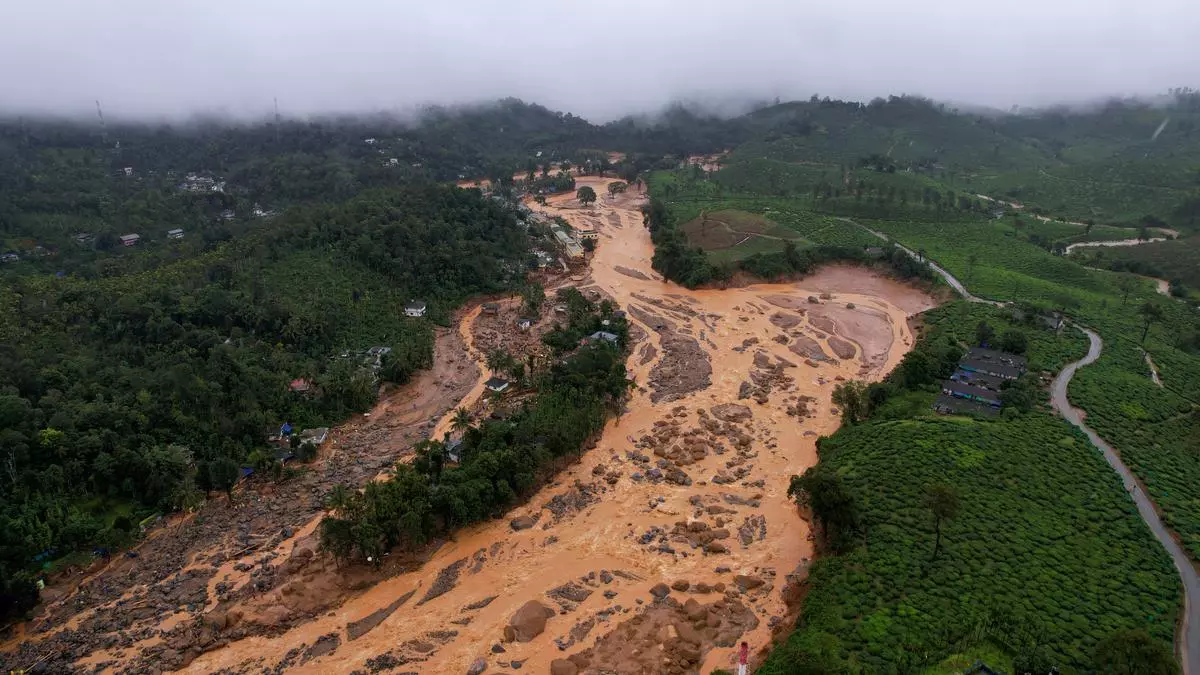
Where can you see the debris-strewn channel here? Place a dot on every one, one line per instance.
(669, 542)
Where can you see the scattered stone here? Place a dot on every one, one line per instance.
(660, 591)
(732, 412)
(445, 582)
(477, 666)
(480, 604)
(357, 629)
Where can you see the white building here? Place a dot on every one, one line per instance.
(130, 239)
(415, 309)
(177, 233)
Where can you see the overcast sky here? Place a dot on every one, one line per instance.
(597, 59)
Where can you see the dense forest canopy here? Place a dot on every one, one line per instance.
(124, 389)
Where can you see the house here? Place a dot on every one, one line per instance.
(524, 323)
(369, 141)
(84, 238)
(227, 214)
(130, 239)
(497, 384)
(301, 385)
(415, 309)
(603, 335)
(454, 450)
(128, 171)
(949, 405)
(971, 393)
(378, 353)
(994, 363)
(979, 379)
(285, 429)
(176, 233)
(490, 308)
(283, 455)
(315, 436)
(393, 162)
(568, 243)
(586, 234)
(9, 258)
(873, 251)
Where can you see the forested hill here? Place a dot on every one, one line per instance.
(120, 395)
(70, 188)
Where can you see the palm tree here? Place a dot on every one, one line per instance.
(497, 360)
(338, 499)
(461, 421)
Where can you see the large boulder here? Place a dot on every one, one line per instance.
(563, 667)
(747, 583)
(477, 666)
(528, 622)
(522, 523)
(660, 591)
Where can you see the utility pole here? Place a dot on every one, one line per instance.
(103, 128)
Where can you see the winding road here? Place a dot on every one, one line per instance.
(1188, 634)
(1188, 638)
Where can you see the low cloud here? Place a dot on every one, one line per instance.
(149, 58)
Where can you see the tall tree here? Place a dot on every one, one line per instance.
(942, 500)
(223, 474)
(533, 296)
(586, 195)
(984, 334)
(1126, 284)
(851, 397)
(1134, 652)
(461, 421)
(834, 508)
(1150, 313)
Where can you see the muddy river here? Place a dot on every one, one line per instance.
(733, 390)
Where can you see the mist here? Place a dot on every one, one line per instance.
(153, 59)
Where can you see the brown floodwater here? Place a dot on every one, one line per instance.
(518, 566)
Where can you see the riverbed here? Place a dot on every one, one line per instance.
(734, 386)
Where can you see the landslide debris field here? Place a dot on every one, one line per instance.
(667, 543)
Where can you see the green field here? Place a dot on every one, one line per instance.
(732, 234)
(1041, 514)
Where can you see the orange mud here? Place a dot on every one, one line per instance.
(736, 333)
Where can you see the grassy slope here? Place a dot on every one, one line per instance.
(1046, 544)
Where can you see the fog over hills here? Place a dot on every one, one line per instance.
(143, 58)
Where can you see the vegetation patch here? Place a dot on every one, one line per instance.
(960, 536)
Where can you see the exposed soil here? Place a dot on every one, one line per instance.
(671, 538)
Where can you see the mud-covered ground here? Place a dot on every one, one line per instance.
(668, 542)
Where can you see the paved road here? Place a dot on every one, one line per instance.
(1188, 638)
(1189, 633)
(950, 278)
